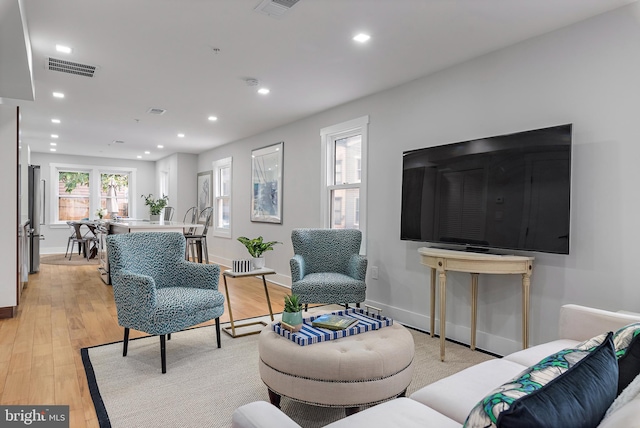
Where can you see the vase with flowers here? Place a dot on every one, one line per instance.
(101, 212)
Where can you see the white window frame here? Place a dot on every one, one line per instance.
(95, 172)
(328, 137)
(218, 165)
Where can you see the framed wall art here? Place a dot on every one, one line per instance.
(266, 182)
(204, 192)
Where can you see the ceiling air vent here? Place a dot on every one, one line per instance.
(157, 111)
(275, 8)
(64, 66)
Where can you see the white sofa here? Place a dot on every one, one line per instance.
(446, 403)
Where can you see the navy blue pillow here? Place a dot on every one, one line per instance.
(627, 343)
(572, 388)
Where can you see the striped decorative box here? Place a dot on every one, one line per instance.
(242, 266)
(309, 334)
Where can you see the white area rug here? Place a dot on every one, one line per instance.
(204, 385)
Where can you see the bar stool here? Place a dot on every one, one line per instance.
(198, 243)
(168, 213)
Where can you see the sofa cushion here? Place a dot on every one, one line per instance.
(530, 356)
(624, 407)
(627, 343)
(455, 395)
(398, 413)
(571, 388)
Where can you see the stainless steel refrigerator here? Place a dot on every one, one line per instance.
(36, 217)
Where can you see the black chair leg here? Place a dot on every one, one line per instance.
(125, 342)
(357, 305)
(218, 332)
(306, 307)
(169, 336)
(163, 352)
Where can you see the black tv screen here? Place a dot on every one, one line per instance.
(505, 192)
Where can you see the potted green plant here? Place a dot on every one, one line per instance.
(292, 314)
(155, 205)
(256, 248)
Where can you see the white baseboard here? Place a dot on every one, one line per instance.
(53, 250)
(459, 333)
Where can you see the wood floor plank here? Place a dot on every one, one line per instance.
(66, 308)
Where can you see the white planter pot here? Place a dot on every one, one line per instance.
(154, 217)
(258, 262)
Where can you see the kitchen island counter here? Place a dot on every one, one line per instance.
(132, 226)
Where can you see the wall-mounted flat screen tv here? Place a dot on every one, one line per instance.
(504, 192)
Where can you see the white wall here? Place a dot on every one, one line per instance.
(56, 236)
(9, 215)
(586, 74)
(182, 181)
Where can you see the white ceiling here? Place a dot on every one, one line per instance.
(159, 54)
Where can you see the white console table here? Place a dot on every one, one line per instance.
(441, 261)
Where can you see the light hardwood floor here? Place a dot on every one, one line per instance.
(66, 308)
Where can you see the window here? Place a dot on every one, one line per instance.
(164, 183)
(337, 213)
(114, 194)
(343, 199)
(79, 191)
(72, 196)
(222, 197)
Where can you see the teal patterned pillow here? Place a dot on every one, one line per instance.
(627, 343)
(571, 388)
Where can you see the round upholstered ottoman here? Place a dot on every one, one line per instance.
(349, 372)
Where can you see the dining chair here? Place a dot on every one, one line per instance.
(72, 234)
(84, 240)
(197, 244)
(168, 213)
(327, 266)
(156, 291)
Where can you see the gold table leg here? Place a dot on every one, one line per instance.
(526, 283)
(443, 310)
(474, 309)
(231, 330)
(266, 293)
(226, 291)
(433, 303)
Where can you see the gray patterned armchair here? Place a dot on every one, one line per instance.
(156, 290)
(327, 266)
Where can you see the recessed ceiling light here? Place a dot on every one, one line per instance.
(64, 49)
(55, 120)
(52, 150)
(263, 91)
(58, 95)
(160, 146)
(139, 157)
(54, 135)
(180, 135)
(362, 38)
(212, 118)
(53, 144)
(147, 152)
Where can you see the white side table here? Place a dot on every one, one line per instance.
(231, 330)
